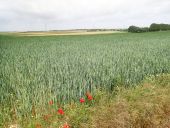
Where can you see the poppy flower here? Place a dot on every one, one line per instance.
(90, 97)
(66, 125)
(82, 100)
(60, 111)
(51, 102)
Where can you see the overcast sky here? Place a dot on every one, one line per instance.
(23, 15)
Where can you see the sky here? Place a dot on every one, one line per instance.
(37, 15)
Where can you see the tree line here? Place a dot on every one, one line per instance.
(151, 28)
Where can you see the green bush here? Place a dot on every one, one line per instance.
(136, 29)
(159, 27)
(153, 27)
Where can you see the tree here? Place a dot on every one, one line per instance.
(159, 27)
(154, 27)
(136, 29)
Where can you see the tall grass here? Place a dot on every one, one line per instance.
(34, 70)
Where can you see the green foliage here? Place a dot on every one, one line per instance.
(34, 70)
(135, 29)
(159, 27)
(153, 27)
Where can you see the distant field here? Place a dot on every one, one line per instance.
(52, 33)
(63, 68)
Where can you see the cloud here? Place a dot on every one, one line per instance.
(24, 15)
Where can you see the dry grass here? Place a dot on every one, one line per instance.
(146, 106)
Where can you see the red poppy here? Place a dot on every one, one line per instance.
(66, 125)
(90, 97)
(60, 111)
(82, 100)
(51, 102)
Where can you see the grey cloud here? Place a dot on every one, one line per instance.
(67, 14)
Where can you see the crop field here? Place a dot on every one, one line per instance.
(60, 33)
(34, 70)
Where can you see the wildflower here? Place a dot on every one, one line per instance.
(66, 125)
(89, 96)
(51, 102)
(60, 111)
(82, 100)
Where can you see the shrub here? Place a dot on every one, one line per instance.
(159, 27)
(136, 29)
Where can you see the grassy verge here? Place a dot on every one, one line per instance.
(145, 106)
